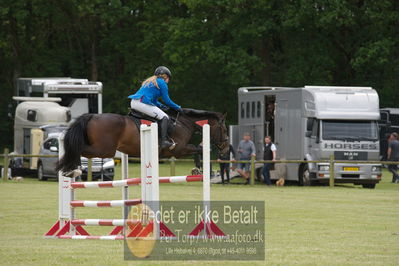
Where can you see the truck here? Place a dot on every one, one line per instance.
(312, 123)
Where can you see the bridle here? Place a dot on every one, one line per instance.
(221, 143)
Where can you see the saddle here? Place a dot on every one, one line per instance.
(140, 118)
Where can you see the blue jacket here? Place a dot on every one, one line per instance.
(149, 94)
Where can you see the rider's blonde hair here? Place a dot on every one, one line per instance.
(153, 80)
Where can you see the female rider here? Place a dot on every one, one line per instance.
(145, 100)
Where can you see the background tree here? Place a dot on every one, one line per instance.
(212, 47)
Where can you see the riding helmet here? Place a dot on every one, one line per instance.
(162, 70)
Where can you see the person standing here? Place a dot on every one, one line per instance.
(246, 149)
(226, 166)
(393, 155)
(269, 154)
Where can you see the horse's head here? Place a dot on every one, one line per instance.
(219, 135)
(217, 123)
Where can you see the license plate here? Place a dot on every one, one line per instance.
(351, 169)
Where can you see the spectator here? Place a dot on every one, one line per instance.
(226, 166)
(393, 155)
(246, 149)
(269, 119)
(269, 154)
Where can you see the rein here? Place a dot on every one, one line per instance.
(177, 117)
(197, 128)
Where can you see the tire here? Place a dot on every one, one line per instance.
(108, 177)
(371, 186)
(304, 177)
(40, 173)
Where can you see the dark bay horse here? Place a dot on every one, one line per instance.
(100, 135)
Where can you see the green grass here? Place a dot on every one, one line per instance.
(347, 225)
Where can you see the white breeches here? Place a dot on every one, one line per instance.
(147, 109)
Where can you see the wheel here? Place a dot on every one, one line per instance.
(372, 186)
(108, 177)
(304, 176)
(40, 173)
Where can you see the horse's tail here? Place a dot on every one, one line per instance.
(74, 141)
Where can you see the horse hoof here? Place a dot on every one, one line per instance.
(73, 173)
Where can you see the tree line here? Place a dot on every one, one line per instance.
(213, 47)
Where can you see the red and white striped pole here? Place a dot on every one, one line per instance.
(135, 181)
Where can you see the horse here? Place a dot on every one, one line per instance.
(101, 135)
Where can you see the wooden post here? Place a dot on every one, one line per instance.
(5, 164)
(332, 172)
(252, 178)
(172, 166)
(89, 169)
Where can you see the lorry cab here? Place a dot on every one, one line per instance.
(314, 123)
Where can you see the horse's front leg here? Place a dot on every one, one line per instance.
(190, 149)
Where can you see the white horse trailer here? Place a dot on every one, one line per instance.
(31, 114)
(313, 123)
(80, 95)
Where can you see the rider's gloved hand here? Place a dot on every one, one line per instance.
(164, 108)
(180, 110)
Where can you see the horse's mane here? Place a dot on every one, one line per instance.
(201, 113)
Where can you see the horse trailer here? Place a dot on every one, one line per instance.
(80, 95)
(388, 124)
(37, 124)
(31, 114)
(312, 123)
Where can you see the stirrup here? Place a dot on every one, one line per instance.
(171, 147)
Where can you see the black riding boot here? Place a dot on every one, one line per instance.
(165, 143)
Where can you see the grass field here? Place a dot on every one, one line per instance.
(347, 225)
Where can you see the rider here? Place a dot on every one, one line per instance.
(145, 100)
